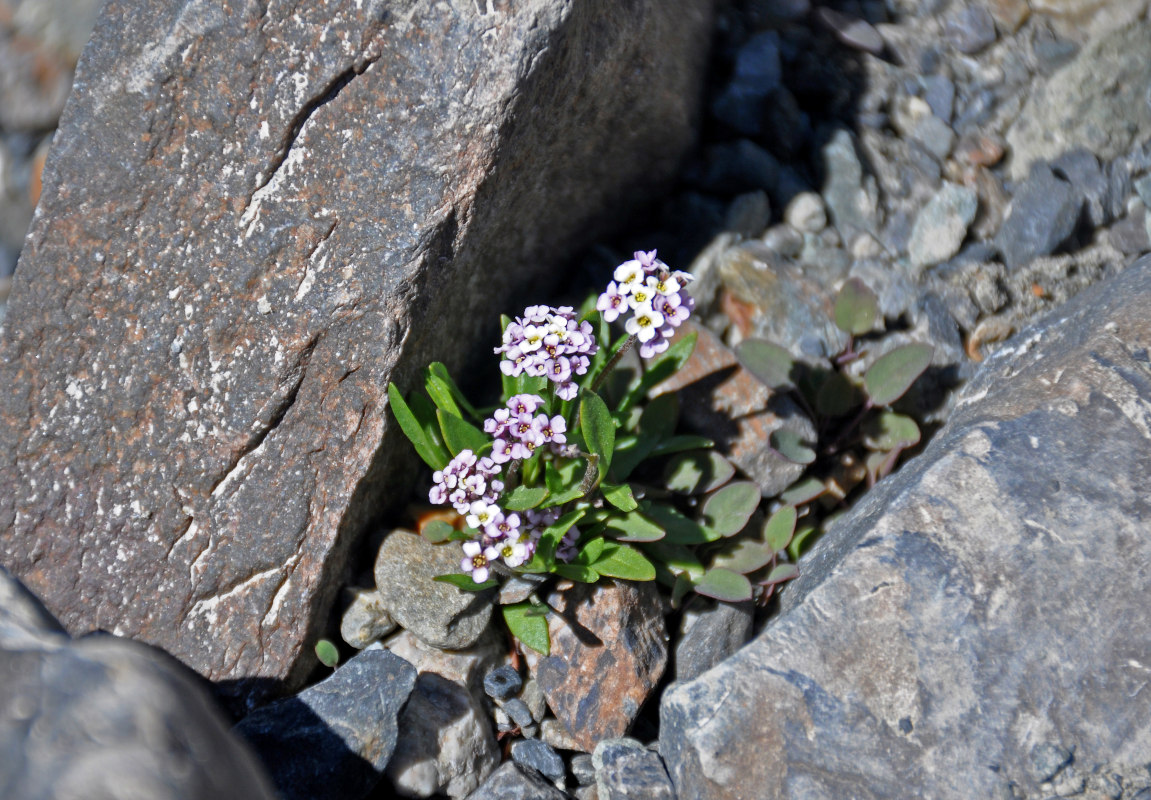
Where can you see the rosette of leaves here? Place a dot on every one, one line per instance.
(861, 434)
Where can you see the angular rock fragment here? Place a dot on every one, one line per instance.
(448, 746)
(334, 739)
(956, 618)
(626, 769)
(1041, 217)
(608, 652)
(252, 220)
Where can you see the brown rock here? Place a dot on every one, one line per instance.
(253, 218)
(723, 401)
(608, 652)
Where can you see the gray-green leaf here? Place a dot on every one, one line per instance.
(723, 584)
(856, 308)
(697, 472)
(893, 373)
(728, 510)
(772, 364)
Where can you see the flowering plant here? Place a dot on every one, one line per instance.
(574, 473)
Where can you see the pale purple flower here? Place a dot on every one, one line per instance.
(524, 404)
(566, 550)
(475, 561)
(504, 526)
(553, 430)
(654, 347)
(502, 450)
(656, 296)
(465, 480)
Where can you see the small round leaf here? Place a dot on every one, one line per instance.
(777, 531)
(890, 431)
(791, 445)
(723, 584)
(772, 364)
(893, 373)
(856, 308)
(728, 510)
(743, 556)
(697, 472)
(327, 652)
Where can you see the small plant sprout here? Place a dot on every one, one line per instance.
(579, 473)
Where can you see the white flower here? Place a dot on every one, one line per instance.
(482, 514)
(645, 324)
(475, 562)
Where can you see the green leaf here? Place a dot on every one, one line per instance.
(465, 582)
(679, 529)
(796, 548)
(781, 573)
(676, 557)
(890, 431)
(791, 445)
(327, 652)
(836, 395)
(577, 572)
(619, 496)
(772, 364)
(437, 531)
(723, 584)
(728, 510)
(441, 394)
(441, 372)
(677, 444)
(743, 555)
(630, 451)
(660, 415)
(697, 472)
(803, 491)
(528, 623)
(893, 373)
(461, 435)
(590, 551)
(680, 589)
(563, 480)
(551, 535)
(627, 563)
(660, 369)
(777, 531)
(856, 308)
(522, 498)
(634, 527)
(598, 429)
(429, 448)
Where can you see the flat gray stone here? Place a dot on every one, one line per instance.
(333, 740)
(435, 612)
(252, 220)
(104, 717)
(710, 631)
(989, 597)
(626, 769)
(1097, 102)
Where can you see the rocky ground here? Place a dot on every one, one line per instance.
(976, 164)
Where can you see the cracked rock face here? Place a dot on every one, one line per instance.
(988, 599)
(254, 216)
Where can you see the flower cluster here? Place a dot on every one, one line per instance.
(465, 480)
(518, 430)
(506, 537)
(548, 341)
(656, 297)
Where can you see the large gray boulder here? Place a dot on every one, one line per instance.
(252, 220)
(107, 719)
(985, 606)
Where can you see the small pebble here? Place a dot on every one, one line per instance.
(806, 213)
(518, 711)
(856, 33)
(971, 29)
(540, 756)
(583, 769)
(784, 239)
(502, 683)
(1047, 760)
